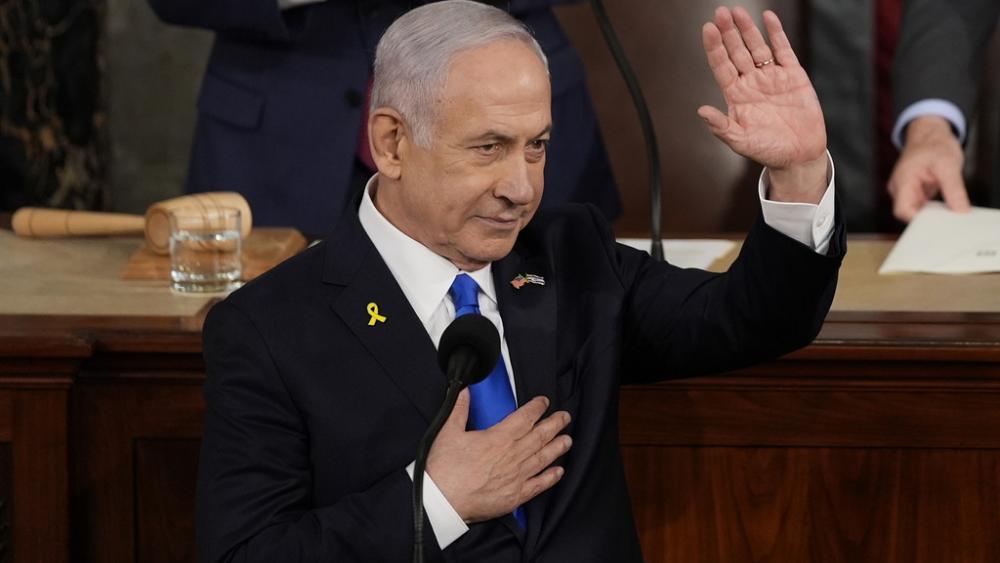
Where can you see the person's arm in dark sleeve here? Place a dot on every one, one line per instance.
(260, 19)
(940, 52)
(681, 322)
(935, 82)
(777, 293)
(255, 482)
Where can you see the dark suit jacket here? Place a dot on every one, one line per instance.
(940, 51)
(312, 414)
(281, 105)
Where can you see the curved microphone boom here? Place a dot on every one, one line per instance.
(468, 352)
(645, 121)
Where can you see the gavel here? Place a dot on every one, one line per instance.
(155, 225)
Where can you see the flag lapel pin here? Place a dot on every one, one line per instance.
(521, 280)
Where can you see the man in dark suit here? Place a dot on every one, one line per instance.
(322, 374)
(935, 81)
(281, 105)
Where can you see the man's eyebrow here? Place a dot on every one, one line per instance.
(492, 136)
(546, 131)
(503, 138)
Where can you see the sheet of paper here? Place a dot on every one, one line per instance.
(687, 253)
(939, 241)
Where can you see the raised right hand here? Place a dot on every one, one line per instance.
(485, 474)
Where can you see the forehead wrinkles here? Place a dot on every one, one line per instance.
(497, 70)
(500, 81)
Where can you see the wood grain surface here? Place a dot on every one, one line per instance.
(844, 505)
(6, 496)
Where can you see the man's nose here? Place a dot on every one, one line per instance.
(516, 186)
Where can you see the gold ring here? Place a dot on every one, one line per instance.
(763, 64)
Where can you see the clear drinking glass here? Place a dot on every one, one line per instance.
(205, 250)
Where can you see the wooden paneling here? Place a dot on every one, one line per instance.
(40, 453)
(6, 415)
(780, 412)
(745, 505)
(6, 474)
(6, 500)
(879, 443)
(35, 377)
(165, 475)
(126, 427)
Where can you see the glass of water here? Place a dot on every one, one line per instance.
(205, 250)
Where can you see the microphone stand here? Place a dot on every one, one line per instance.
(648, 133)
(458, 365)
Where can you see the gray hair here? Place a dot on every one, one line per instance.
(414, 55)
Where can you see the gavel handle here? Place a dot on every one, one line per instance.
(45, 223)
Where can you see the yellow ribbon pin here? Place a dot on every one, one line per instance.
(373, 311)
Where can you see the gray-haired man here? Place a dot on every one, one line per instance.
(322, 374)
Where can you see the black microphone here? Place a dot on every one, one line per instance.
(469, 349)
(468, 352)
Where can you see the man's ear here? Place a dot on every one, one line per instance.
(387, 136)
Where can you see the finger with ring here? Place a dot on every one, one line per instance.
(753, 38)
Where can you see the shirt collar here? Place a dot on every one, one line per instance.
(424, 276)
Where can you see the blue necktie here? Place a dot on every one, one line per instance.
(492, 399)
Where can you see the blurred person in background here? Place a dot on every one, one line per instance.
(284, 101)
(935, 81)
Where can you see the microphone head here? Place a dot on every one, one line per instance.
(474, 337)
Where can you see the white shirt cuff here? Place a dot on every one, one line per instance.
(809, 223)
(447, 524)
(286, 4)
(932, 106)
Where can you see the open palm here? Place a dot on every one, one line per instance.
(774, 115)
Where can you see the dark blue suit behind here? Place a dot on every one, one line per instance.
(281, 106)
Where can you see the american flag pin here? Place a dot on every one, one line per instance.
(521, 280)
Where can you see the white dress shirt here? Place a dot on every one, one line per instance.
(811, 224)
(425, 278)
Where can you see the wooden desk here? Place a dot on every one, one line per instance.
(879, 442)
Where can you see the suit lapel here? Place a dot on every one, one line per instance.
(529, 321)
(405, 352)
(400, 343)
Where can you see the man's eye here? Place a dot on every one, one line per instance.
(490, 148)
(538, 145)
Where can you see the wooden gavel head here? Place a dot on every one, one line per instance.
(46, 223)
(158, 215)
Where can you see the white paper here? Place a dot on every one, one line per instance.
(940, 241)
(687, 253)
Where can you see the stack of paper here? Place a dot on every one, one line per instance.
(940, 241)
